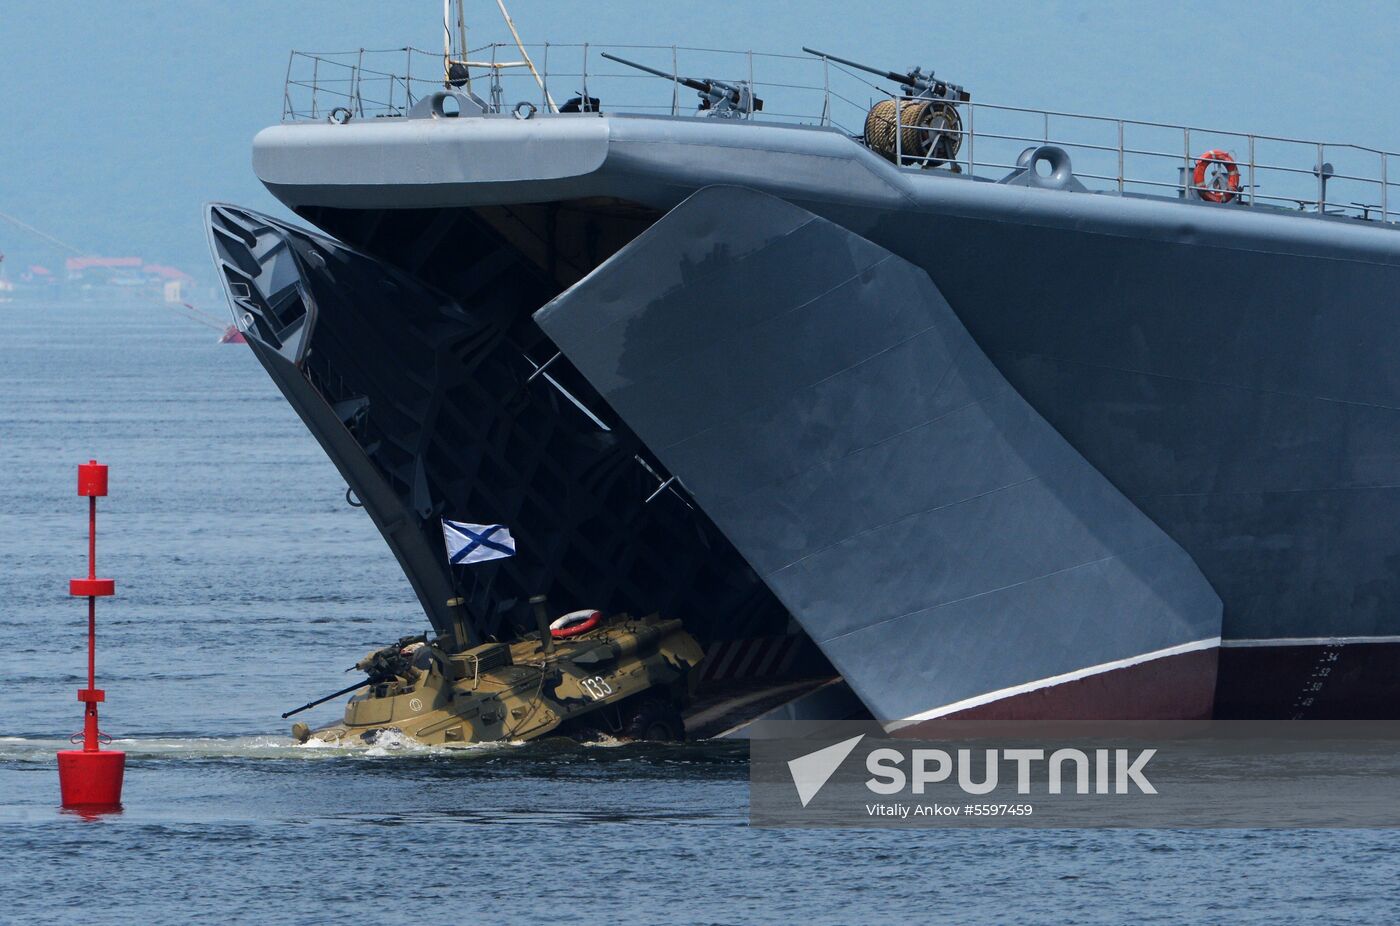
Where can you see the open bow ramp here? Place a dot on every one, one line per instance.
(431, 407)
(823, 404)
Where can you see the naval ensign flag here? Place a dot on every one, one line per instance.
(476, 543)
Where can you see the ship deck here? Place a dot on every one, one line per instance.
(1110, 154)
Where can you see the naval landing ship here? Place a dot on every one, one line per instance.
(904, 404)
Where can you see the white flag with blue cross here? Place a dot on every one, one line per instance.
(476, 543)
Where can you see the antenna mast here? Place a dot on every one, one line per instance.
(447, 60)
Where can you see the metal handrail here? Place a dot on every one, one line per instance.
(1126, 156)
(1321, 201)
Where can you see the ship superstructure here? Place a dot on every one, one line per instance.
(900, 401)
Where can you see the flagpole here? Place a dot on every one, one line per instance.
(475, 582)
(490, 581)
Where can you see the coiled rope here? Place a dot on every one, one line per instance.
(930, 131)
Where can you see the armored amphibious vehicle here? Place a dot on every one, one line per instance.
(579, 676)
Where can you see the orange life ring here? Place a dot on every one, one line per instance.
(575, 623)
(1217, 193)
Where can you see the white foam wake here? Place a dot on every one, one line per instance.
(42, 749)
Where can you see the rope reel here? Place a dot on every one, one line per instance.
(930, 132)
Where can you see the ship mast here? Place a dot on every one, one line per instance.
(447, 10)
(448, 58)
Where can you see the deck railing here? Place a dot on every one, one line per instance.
(1126, 156)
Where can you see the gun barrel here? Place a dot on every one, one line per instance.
(700, 86)
(311, 704)
(888, 75)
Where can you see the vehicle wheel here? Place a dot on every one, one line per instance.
(653, 719)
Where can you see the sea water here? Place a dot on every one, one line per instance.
(246, 585)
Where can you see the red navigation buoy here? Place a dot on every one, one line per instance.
(90, 778)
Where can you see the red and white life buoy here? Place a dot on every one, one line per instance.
(575, 623)
(1224, 186)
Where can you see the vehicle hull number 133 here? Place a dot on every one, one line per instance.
(595, 687)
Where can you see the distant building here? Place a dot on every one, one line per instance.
(89, 272)
(173, 281)
(129, 273)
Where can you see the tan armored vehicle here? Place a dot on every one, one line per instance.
(581, 676)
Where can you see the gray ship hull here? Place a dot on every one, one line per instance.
(1226, 371)
(820, 400)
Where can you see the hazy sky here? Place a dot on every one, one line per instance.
(121, 118)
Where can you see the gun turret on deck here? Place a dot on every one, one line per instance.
(717, 97)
